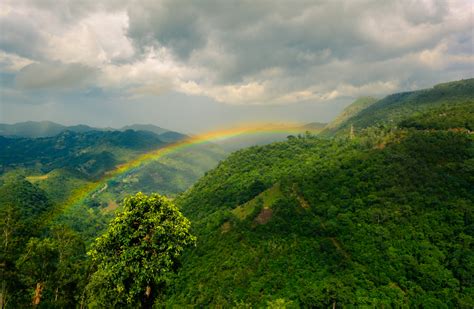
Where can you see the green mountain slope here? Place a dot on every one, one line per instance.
(89, 153)
(348, 112)
(145, 127)
(348, 224)
(394, 108)
(169, 175)
(64, 163)
(314, 126)
(34, 129)
(382, 219)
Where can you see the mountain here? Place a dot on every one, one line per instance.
(145, 127)
(90, 153)
(171, 136)
(31, 129)
(70, 160)
(378, 217)
(35, 129)
(170, 175)
(315, 126)
(350, 111)
(391, 110)
(381, 219)
(266, 134)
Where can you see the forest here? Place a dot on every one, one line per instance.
(375, 211)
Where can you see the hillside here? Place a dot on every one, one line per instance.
(34, 129)
(90, 153)
(69, 160)
(145, 127)
(267, 136)
(379, 218)
(348, 112)
(315, 126)
(383, 219)
(394, 108)
(169, 175)
(316, 222)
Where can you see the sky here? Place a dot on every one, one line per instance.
(194, 66)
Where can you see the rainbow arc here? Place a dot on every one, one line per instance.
(82, 193)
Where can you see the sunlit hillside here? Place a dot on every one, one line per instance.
(236, 154)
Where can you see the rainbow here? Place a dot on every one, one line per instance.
(79, 195)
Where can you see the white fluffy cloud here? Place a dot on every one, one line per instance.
(238, 52)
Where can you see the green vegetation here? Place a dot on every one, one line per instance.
(39, 177)
(351, 110)
(445, 117)
(61, 164)
(137, 254)
(35, 129)
(89, 154)
(170, 175)
(37, 260)
(382, 219)
(395, 108)
(378, 217)
(353, 225)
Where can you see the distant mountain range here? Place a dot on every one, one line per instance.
(35, 129)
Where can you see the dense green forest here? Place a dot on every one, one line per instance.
(377, 211)
(380, 218)
(393, 109)
(339, 223)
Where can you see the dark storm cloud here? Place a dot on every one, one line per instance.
(20, 36)
(295, 36)
(245, 53)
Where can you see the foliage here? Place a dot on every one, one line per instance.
(351, 110)
(355, 224)
(459, 116)
(393, 109)
(88, 154)
(379, 218)
(137, 254)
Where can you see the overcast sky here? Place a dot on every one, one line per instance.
(197, 65)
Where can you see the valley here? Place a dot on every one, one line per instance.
(373, 209)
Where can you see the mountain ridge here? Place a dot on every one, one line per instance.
(46, 128)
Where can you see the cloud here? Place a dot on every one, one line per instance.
(238, 52)
(12, 62)
(280, 52)
(54, 75)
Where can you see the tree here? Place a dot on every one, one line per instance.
(71, 269)
(138, 253)
(37, 265)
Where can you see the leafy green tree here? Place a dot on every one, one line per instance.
(70, 275)
(139, 252)
(37, 266)
(21, 206)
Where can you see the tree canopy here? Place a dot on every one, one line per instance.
(138, 253)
